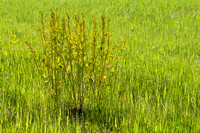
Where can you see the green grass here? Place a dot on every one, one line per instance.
(156, 87)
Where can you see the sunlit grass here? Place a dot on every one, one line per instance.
(155, 86)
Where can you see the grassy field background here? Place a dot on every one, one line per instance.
(156, 87)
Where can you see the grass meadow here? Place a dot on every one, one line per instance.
(154, 88)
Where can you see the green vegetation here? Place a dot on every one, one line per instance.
(153, 88)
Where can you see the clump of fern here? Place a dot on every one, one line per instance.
(74, 60)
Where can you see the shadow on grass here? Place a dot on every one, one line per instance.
(106, 118)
